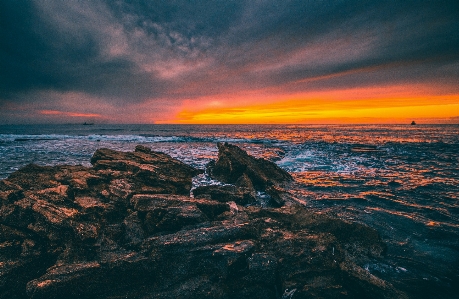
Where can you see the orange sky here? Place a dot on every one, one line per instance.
(387, 104)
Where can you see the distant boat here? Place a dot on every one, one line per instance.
(87, 124)
(413, 123)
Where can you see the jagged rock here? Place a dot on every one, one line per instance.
(278, 195)
(149, 168)
(127, 228)
(134, 232)
(233, 163)
(68, 281)
(34, 177)
(22, 258)
(225, 193)
(162, 212)
(151, 202)
(244, 182)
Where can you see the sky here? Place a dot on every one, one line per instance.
(139, 61)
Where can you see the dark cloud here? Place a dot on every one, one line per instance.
(351, 37)
(61, 48)
(134, 51)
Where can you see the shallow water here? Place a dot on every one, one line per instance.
(402, 180)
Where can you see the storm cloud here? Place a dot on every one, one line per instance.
(120, 54)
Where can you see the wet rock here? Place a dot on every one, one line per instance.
(128, 228)
(226, 193)
(150, 202)
(22, 258)
(244, 182)
(91, 204)
(134, 233)
(162, 212)
(233, 163)
(10, 195)
(278, 196)
(148, 168)
(262, 268)
(69, 281)
(34, 177)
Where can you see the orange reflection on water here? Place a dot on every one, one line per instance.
(319, 179)
(432, 223)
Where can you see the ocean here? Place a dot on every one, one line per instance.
(402, 180)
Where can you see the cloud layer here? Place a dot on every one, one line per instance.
(142, 60)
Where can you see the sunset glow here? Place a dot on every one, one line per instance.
(371, 105)
(235, 62)
(70, 114)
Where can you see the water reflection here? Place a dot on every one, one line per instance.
(402, 180)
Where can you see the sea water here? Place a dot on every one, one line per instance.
(402, 180)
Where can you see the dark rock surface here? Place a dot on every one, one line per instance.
(128, 228)
(241, 196)
(234, 164)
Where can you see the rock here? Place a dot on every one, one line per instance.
(226, 193)
(133, 229)
(262, 268)
(277, 195)
(244, 182)
(34, 177)
(69, 281)
(22, 258)
(150, 202)
(233, 163)
(162, 212)
(128, 228)
(148, 168)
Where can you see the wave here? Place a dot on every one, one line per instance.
(141, 138)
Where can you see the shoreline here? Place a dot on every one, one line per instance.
(139, 203)
(433, 260)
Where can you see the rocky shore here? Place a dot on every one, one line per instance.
(131, 226)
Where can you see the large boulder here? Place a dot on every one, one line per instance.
(234, 165)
